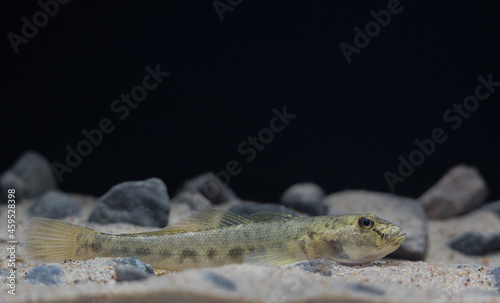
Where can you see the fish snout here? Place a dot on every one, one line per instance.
(392, 233)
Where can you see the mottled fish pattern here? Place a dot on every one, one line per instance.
(215, 237)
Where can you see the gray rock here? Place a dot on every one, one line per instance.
(45, 274)
(476, 243)
(55, 205)
(30, 176)
(459, 191)
(305, 197)
(209, 186)
(194, 200)
(408, 213)
(495, 273)
(144, 203)
(184, 204)
(493, 207)
(246, 209)
(220, 281)
(131, 268)
(129, 273)
(135, 262)
(320, 266)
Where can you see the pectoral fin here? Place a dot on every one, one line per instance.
(288, 253)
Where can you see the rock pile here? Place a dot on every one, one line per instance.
(447, 227)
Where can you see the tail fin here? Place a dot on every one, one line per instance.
(50, 240)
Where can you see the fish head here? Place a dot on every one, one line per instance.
(364, 239)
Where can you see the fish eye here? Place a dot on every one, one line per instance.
(365, 223)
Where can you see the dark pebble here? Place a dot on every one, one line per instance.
(495, 273)
(246, 209)
(133, 262)
(209, 186)
(144, 203)
(54, 205)
(475, 243)
(320, 266)
(45, 274)
(129, 273)
(31, 176)
(368, 289)
(220, 281)
(305, 197)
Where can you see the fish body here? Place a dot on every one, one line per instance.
(215, 237)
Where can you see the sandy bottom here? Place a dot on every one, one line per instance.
(445, 276)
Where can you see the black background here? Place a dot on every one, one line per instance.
(353, 120)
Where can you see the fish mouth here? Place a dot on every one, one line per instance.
(394, 236)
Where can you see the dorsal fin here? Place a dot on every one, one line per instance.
(270, 216)
(203, 219)
(212, 218)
